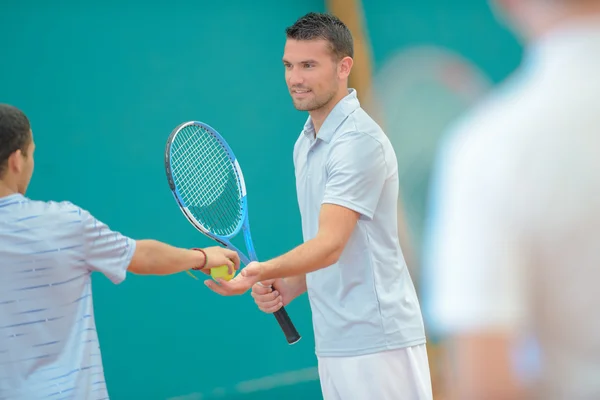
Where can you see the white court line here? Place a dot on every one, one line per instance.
(268, 382)
(278, 380)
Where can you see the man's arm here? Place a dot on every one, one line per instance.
(357, 171)
(113, 254)
(272, 294)
(156, 258)
(152, 257)
(297, 285)
(336, 224)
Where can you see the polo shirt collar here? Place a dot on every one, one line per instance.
(340, 112)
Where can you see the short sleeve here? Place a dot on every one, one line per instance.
(105, 251)
(473, 255)
(356, 173)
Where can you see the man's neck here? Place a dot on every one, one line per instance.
(319, 116)
(6, 189)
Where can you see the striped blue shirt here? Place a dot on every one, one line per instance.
(48, 341)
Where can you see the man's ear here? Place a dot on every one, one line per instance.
(345, 66)
(16, 162)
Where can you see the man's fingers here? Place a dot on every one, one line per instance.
(221, 287)
(265, 297)
(215, 288)
(270, 310)
(270, 304)
(260, 290)
(235, 258)
(268, 283)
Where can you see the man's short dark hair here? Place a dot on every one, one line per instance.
(314, 26)
(15, 133)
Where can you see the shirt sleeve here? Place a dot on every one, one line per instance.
(356, 173)
(474, 256)
(105, 251)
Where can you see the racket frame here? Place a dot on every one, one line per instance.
(292, 336)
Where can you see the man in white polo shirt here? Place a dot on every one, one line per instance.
(514, 255)
(48, 340)
(370, 340)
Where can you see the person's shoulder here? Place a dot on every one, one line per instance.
(359, 129)
(496, 124)
(510, 112)
(54, 208)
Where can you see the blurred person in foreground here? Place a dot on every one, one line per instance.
(48, 250)
(513, 255)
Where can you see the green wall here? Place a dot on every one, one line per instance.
(104, 83)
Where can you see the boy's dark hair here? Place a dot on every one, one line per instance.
(324, 26)
(15, 133)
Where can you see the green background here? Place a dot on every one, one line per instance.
(104, 83)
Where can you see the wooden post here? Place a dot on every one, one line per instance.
(351, 13)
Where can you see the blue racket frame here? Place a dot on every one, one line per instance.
(281, 315)
(243, 225)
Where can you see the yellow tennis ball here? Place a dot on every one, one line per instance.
(222, 272)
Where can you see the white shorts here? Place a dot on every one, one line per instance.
(401, 374)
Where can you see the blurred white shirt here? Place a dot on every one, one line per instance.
(514, 238)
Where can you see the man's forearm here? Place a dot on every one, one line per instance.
(313, 255)
(155, 258)
(297, 285)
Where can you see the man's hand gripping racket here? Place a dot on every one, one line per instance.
(208, 185)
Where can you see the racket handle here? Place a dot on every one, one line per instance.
(291, 334)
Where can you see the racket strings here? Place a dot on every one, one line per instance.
(206, 180)
(208, 175)
(208, 188)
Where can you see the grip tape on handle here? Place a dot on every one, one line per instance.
(291, 334)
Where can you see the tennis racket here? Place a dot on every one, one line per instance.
(208, 185)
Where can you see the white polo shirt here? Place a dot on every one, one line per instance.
(366, 302)
(48, 340)
(514, 242)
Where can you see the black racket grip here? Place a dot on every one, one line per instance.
(291, 334)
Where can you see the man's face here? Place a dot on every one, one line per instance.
(311, 73)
